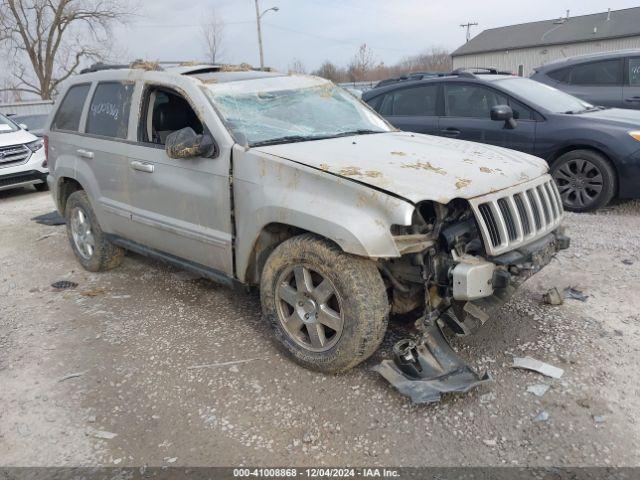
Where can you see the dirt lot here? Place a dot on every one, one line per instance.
(134, 334)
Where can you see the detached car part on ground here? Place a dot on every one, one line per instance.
(292, 184)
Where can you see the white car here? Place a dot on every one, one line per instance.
(22, 157)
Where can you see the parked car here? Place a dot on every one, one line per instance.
(22, 158)
(290, 183)
(609, 79)
(594, 152)
(34, 123)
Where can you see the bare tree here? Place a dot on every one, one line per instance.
(330, 71)
(434, 60)
(213, 36)
(297, 66)
(362, 63)
(50, 39)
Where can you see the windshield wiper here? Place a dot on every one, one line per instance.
(285, 139)
(357, 132)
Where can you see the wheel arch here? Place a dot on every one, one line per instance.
(270, 236)
(64, 187)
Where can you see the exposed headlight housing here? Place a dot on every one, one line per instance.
(35, 145)
(635, 134)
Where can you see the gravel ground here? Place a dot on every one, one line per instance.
(133, 335)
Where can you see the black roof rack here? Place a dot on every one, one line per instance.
(473, 71)
(459, 72)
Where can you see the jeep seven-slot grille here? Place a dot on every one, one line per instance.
(518, 215)
(14, 155)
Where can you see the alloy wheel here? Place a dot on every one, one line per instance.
(82, 234)
(309, 308)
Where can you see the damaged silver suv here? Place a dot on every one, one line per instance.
(291, 184)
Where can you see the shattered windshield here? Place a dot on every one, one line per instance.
(300, 114)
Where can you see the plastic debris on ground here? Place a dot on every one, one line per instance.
(50, 219)
(552, 297)
(543, 416)
(545, 369)
(575, 294)
(539, 389)
(64, 284)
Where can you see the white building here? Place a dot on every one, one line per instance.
(520, 48)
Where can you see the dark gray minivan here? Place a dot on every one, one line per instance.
(610, 79)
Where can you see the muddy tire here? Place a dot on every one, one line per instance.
(586, 180)
(328, 309)
(90, 245)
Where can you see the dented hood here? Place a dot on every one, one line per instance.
(414, 166)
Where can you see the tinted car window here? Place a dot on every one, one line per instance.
(520, 111)
(70, 110)
(560, 75)
(471, 101)
(109, 111)
(634, 72)
(607, 72)
(417, 101)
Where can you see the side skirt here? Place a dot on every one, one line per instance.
(206, 272)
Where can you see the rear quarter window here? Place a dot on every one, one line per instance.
(109, 110)
(70, 109)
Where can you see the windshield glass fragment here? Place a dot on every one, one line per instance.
(282, 116)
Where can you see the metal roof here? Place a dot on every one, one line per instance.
(584, 28)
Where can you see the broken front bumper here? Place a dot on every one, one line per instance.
(512, 269)
(425, 367)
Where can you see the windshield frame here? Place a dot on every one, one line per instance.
(533, 103)
(293, 83)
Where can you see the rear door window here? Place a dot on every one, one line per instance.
(634, 72)
(109, 110)
(417, 101)
(605, 72)
(70, 109)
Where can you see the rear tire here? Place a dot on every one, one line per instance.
(328, 309)
(586, 180)
(89, 243)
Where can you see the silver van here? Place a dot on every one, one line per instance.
(291, 184)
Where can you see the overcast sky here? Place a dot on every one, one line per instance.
(315, 30)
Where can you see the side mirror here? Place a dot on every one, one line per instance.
(23, 126)
(504, 113)
(185, 143)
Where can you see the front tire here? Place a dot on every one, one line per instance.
(586, 180)
(328, 309)
(89, 243)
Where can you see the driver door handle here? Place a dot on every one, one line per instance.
(142, 167)
(85, 153)
(450, 132)
(632, 99)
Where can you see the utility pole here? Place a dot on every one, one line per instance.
(464, 25)
(258, 18)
